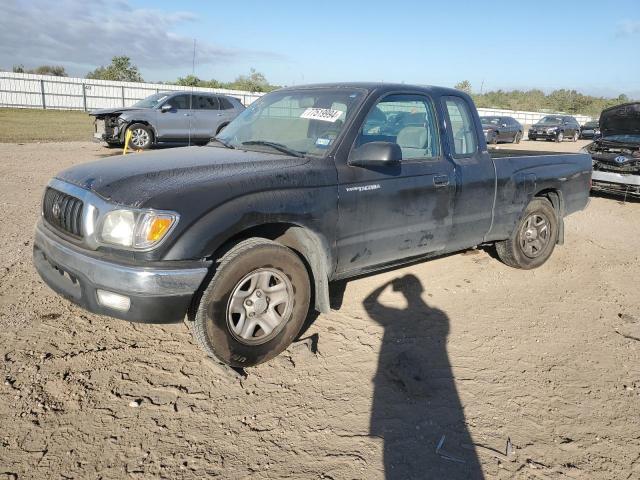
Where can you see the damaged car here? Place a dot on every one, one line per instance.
(167, 118)
(616, 154)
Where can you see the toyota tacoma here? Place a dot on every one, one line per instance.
(308, 185)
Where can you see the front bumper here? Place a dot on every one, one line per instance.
(157, 294)
(546, 136)
(616, 182)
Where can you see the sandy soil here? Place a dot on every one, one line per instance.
(458, 367)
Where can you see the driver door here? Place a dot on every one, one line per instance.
(174, 124)
(391, 213)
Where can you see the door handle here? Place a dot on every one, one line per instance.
(441, 180)
(187, 114)
(220, 114)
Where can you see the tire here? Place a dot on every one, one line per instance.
(517, 137)
(141, 136)
(532, 139)
(249, 274)
(560, 137)
(494, 140)
(519, 250)
(576, 135)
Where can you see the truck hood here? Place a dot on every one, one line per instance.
(134, 179)
(115, 111)
(621, 120)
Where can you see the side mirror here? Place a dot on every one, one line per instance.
(376, 153)
(165, 108)
(504, 124)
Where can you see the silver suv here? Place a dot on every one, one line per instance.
(167, 117)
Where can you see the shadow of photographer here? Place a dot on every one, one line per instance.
(415, 400)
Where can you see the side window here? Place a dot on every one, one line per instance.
(462, 131)
(181, 102)
(407, 120)
(206, 102)
(225, 104)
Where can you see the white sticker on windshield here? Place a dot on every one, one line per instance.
(324, 114)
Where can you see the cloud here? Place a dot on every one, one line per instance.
(628, 28)
(88, 34)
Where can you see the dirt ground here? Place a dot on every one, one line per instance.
(459, 367)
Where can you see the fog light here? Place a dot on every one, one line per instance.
(113, 300)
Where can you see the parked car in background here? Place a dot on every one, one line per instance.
(501, 129)
(590, 130)
(616, 153)
(556, 128)
(167, 117)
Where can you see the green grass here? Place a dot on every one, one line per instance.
(26, 125)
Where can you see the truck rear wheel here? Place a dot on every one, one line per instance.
(534, 239)
(255, 304)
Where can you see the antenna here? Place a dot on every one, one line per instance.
(193, 75)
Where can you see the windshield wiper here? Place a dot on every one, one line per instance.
(277, 146)
(224, 143)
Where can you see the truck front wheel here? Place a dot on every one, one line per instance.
(255, 304)
(533, 240)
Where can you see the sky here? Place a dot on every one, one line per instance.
(591, 46)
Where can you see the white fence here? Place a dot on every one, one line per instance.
(23, 90)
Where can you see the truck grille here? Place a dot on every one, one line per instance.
(63, 211)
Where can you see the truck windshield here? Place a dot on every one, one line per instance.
(297, 122)
(151, 101)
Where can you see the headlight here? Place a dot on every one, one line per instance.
(596, 132)
(136, 229)
(552, 129)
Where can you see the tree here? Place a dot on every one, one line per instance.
(464, 86)
(189, 81)
(254, 82)
(120, 69)
(55, 70)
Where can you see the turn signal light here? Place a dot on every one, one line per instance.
(158, 228)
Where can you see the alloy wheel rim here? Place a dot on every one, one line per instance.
(535, 235)
(260, 305)
(139, 137)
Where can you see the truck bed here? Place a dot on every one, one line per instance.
(511, 153)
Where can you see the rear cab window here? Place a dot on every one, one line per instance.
(462, 130)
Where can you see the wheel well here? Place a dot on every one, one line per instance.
(221, 127)
(142, 122)
(555, 197)
(305, 243)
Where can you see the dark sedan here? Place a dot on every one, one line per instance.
(501, 129)
(590, 130)
(556, 128)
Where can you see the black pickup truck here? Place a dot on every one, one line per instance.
(308, 185)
